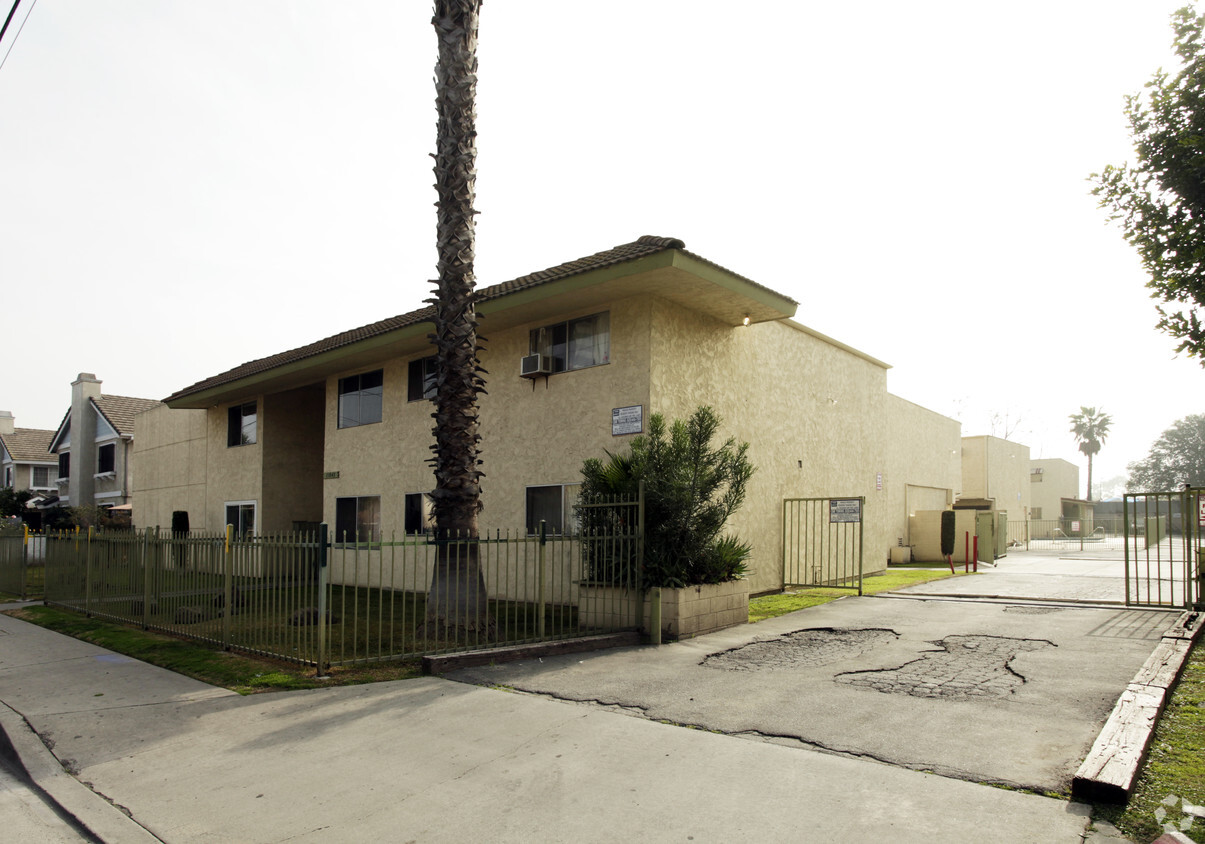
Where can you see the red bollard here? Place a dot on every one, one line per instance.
(966, 559)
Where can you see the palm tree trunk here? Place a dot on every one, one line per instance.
(458, 599)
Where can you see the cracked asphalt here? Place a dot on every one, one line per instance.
(999, 692)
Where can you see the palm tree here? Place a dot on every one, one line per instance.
(458, 596)
(1090, 429)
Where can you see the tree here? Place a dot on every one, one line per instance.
(1159, 201)
(458, 596)
(1176, 458)
(12, 502)
(1090, 429)
(691, 490)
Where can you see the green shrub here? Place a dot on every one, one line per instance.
(691, 489)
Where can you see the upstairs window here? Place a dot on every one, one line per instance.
(360, 398)
(358, 519)
(421, 379)
(574, 344)
(241, 425)
(42, 478)
(106, 458)
(8, 476)
(65, 465)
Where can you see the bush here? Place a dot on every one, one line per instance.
(691, 489)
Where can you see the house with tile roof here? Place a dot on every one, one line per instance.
(579, 356)
(93, 446)
(25, 459)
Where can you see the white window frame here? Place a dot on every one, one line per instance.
(51, 477)
(238, 528)
(570, 493)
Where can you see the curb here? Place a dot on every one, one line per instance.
(95, 818)
(1111, 768)
(443, 663)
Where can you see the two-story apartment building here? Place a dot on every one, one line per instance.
(578, 358)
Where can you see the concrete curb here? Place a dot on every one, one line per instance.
(90, 814)
(443, 663)
(1111, 768)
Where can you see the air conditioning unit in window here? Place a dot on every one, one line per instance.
(533, 366)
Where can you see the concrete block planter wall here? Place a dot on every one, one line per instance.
(686, 611)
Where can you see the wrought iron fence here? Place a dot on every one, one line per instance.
(302, 598)
(22, 558)
(1083, 534)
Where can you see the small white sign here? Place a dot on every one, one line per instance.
(844, 510)
(1201, 510)
(627, 420)
(1075, 527)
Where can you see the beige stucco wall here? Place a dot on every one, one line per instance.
(1059, 480)
(998, 469)
(819, 421)
(170, 447)
(924, 461)
(533, 432)
(235, 472)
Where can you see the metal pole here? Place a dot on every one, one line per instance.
(654, 614)
(323, 580)
(861, 532)
(88, 574)
(227, 589)
(146, 577)
(540, 580)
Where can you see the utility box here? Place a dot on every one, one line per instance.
(902, 554)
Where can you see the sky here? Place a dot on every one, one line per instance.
(188, 186)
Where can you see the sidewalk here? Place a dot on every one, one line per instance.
(439, 760)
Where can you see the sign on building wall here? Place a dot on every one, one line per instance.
(627, 420)
(844, 510)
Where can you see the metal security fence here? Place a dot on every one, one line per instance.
(304, 598)
(822, 542)
(1165, 546)
(1087, 534)
(22, 558)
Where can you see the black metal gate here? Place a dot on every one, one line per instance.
(822, 542)
(1163, 548)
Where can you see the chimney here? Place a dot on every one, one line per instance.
(7, 423)
(83, 439)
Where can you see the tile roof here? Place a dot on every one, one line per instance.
(29, 444)
(639, 248)
(119, 411)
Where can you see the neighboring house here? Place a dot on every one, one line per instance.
(93, 446)
(25, 461)
(579, 356)
(995, 476)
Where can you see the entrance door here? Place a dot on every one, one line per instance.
(1163, 548)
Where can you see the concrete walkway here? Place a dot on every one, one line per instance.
(820, 734)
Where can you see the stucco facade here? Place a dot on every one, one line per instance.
(997, 470)
(1051, 481)
(816, 413)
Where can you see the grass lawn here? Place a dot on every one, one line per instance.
(1175, 766)
(770, 606)
(241, 673)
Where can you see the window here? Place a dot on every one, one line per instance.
(420, 516)
(553, 505)
(1035, 513)
(241, 515)
(360, 399)
(106, 458)
(358, 519)
(41, 478)
(421, 379)
(8, 476)
(65, 465)
(576, 344)
(240, 428)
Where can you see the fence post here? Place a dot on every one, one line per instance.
(638, 586)
(540, 580)
(87, 573)
(323, 580)
(146, 576)
(23, 571)
(228, 590)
